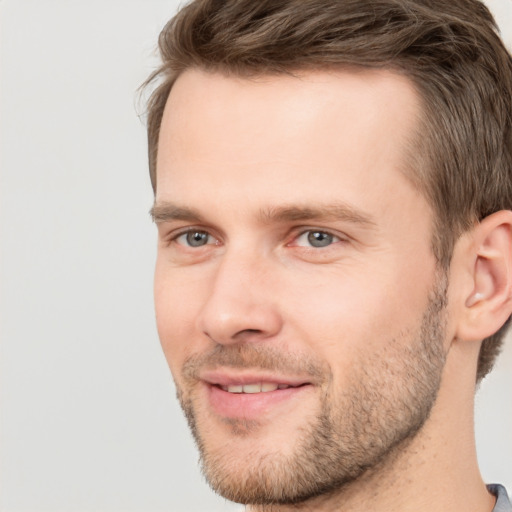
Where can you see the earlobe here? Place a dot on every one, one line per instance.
(489, 304)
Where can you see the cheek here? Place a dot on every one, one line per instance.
(345, 316)
(176, 312)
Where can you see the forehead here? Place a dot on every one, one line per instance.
(292, 136)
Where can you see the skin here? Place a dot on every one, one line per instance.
(244, 163)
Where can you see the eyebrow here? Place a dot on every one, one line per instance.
(166, 212)
(336, 211)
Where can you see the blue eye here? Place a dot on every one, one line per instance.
(194, 238)
(317, 239)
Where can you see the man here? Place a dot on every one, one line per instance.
(334, 276)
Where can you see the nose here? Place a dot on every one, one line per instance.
(242, 302)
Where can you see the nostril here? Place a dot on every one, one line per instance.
(248, 335)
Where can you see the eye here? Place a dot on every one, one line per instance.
(195, 238)
(315, 238)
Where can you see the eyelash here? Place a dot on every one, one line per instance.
(189, 231)
(309, 232)
(299, 234)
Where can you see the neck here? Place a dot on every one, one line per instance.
(434, 472)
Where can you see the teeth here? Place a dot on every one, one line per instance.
(252, 388)
(260, 387)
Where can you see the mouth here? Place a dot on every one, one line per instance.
(257, 387)
(252, 397)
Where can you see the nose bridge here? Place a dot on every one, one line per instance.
(241, 304)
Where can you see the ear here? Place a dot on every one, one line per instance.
(489, 303)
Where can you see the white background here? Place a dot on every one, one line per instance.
(88, 416)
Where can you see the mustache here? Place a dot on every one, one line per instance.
(257, 357)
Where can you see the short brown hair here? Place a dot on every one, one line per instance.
(462, 160)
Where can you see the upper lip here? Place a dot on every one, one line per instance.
(230, 377)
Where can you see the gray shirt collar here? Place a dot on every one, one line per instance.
(502, 500)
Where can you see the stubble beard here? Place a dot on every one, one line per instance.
(388, 401)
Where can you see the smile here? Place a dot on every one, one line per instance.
(259, 387)
(253, 398)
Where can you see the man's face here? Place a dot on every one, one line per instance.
(298, 301)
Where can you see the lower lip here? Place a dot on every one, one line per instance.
(251, 405)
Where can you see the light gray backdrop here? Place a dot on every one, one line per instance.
(88, 416)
